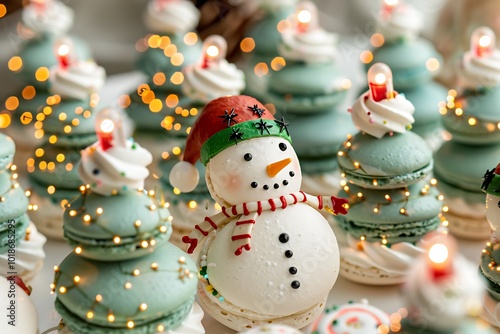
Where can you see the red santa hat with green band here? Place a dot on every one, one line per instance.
(224, 122)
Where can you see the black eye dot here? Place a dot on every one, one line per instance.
(292, 174)
(282, 146)
(276, 186)
(285, 182)
(95, 171)
(247, 157)
(498, 204)
(254, 184)
(265, 187)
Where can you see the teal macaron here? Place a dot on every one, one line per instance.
(150, 294)
(306, 88)
(316, 138)
(123, 226)
(72, 122)
(426, 98)
(7, 151)
(396, 215)
(474, 117)
(49, 171)
(460, 168)
(408, 61)
(40, 52)
(154, 60)
(389, 162)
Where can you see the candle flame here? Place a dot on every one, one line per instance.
(485, 41)
(380, 78)
(304, 16)
(212, 51)
(438, 253)
(107, 126)
(63, 50)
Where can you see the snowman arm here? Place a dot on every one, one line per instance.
(331, 204)
(202, 229)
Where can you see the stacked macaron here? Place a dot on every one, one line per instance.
(67, 124)
(443, 292)
(213, 76)
(351, 318)
(261, 55)
(392, 206)
(171, 46)
(43, 23)
(20, 313)
(308, 91)
(472, 120)
(414, 63)
(123, 275)
(21, 245)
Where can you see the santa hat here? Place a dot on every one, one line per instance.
(224, 122)
(491, 183)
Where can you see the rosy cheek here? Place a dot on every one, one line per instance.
(235, 183)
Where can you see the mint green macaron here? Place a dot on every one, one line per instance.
(137, 296)
(389, 162)
(116, 227)
(7, 151)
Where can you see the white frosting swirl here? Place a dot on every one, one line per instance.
(205, 84)
(116, 169)
(443, 304)
(29, 256)
(480, 71)
(190, 325)
(49, 17)
(77, 81)
(171, 17)
(312, 46)
(395, 261)
(404, 22)
(379, 118)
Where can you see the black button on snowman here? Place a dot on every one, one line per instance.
(269, 255)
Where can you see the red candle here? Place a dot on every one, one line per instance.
(109, 129)
(105, 133)
(390, 5)
(214, 49)
(63, 55)
(380, 82)
(483, 42)
(307, 16)
(440, 254)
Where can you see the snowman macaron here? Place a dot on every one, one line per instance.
(269, 256)
(491, 185)
(20, 315)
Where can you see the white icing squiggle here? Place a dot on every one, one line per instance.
(313, 46)
(29, 256)
(171, 17)
(396, 260)
(77, 81)
(480, 71)
(205, 84)
(115, 169)
(49, 17)
(404, 22)
(443, 304)
(379, 118)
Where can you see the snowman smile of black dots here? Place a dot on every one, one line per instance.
(269, 255)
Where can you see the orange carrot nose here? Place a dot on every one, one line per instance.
(274, 168)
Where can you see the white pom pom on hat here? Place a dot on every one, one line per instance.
(184, 176)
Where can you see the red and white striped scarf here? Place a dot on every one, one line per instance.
(248, 212)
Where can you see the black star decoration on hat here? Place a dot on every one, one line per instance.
(488, 177)
(229, 117)
(256, 110)
(283, 125)
(263, 126)
(236, 135)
